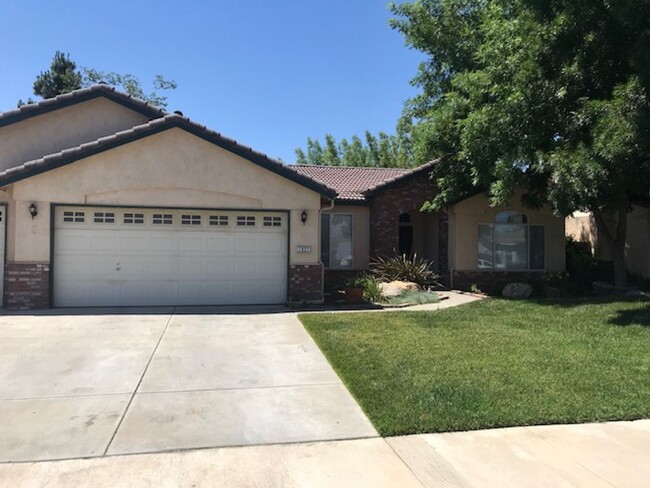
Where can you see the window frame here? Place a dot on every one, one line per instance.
(528, 226)
(352, 260)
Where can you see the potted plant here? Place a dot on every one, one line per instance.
(354, 289)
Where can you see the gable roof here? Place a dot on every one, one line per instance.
(357, 184)
(169, 121)
(78, 96)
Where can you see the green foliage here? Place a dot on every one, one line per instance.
(371, 291)
(130, 84)
(383, 151)
(404, 268)
(551, 97)
(356, 281)
(62, 77)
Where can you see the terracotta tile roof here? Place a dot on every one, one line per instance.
(155, 126)
(354, 184)
(77, 96)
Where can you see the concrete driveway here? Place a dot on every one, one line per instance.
(88, 383)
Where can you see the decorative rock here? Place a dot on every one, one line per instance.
(517, 290)
(396, 288)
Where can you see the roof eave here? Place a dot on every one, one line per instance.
(169, 122)
(79, 96)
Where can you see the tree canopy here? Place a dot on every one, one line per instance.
(64, 77)
(548, 96)
(382, 151)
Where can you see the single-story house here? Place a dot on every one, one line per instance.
(582, 227)
(106, 200)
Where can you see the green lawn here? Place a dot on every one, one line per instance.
(492, 363)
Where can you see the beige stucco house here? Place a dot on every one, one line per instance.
(582, 227)
(106, 200)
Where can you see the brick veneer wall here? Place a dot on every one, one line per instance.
(386, 207)
(335, 279)
(305, 282)
(27, 286)
(492, 282)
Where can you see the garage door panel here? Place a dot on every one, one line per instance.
(219, 244)
(192, 243)
(163, 243)
(99, 264)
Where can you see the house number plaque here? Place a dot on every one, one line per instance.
(304, 249)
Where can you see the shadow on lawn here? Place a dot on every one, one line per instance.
(638, 316)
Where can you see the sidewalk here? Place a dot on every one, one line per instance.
(614, 454)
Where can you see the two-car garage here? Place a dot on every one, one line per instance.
(121, 256)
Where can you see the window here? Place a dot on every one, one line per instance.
(218, 220)
(511, 244)
(336, 240)
(270, 221)
(104, 218)
(162, 219)
(246, 220)
(74, 217)
(133, 218)
(190, 219)
(405, 237)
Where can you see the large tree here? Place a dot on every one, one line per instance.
(64, 77)
(546, 95)
(382, 151)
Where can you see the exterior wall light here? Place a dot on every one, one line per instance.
(303, 217)
(33, 210)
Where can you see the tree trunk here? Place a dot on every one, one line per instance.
(615, 241)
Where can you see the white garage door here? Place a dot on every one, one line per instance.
(126, 256)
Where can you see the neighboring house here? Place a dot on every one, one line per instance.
(108, 201)
(582, 227)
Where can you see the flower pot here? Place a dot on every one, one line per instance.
(354, 295)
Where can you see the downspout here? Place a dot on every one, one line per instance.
(451, 241)
(322, 265)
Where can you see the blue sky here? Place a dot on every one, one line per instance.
(267, 73)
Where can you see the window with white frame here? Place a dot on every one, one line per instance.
(511, 244)
(336, 240)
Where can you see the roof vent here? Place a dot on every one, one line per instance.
(178, 112)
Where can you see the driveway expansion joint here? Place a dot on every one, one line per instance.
(119, 424)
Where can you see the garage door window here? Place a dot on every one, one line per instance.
(271, 221)
(219, 220)
(74, 216)
(163, 219)
(104, 218)
(246, 220)
(191, 219)
(133, 218)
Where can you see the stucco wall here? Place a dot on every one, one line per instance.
(169, 169)
(582, 227)
(360, 233)
(51, 132)
(464, 218)
(637, 249)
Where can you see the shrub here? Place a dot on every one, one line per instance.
(371, 291)
(356, 281)
(405, 268)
